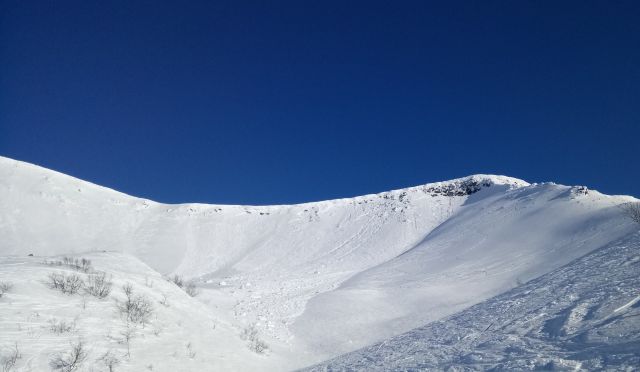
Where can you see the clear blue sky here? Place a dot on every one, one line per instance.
(280, 102)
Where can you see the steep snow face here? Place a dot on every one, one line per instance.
(489, 246)
(582, 316)
(320, 279)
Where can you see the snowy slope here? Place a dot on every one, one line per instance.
(583, 316)
(490, 245)
(321, 279)
(182, 334)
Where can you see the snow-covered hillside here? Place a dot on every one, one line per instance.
(585, 315)
(42, 323)
(315, 280)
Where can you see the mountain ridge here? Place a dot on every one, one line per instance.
(486, 179)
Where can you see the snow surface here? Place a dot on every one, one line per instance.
(583, 316)
(317, 279)
(178, 330)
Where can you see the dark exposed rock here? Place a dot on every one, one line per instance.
(459, 188)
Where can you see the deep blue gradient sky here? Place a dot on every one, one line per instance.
(282, 102)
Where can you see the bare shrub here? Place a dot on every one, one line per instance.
(5, 287)
(135, 308)
(191, 289)
(85, 265)
(190, 353)
(67, 284)
(254, 343)
(177, 280)
(127, 335)
(8, 360)
(98, 285)
(110, 361)
(78, 264)
(70, 360)
(59, 327)
(81, 264)
(164, 302)
(632, 210)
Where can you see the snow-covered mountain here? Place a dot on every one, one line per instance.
(313, 280)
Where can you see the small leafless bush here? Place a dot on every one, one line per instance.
(5, 287)
(190, 353)
(110, 361)
(632, 210)
(191, 289)
(59, 327)
(254, 343)
(70, 360)
(177, 280)
(8, 360)
(81, 264)
(78, 264)
(127, 335)
(67, 284)
(164, 301)
(135, 308)
(98, 285)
